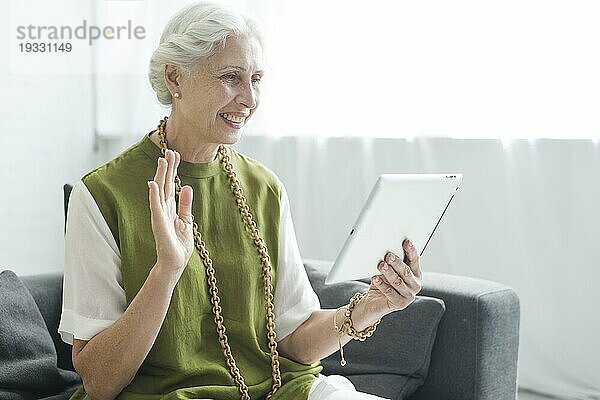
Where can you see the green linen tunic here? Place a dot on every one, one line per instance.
(186, 361)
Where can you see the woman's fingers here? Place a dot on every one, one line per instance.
(394, 298)
(185, 204)
(176, 167)
(159, 177)
(172, 158)
(169, 156)
(400, 281)
(153, 197)
(411, 257)
(397, 281)
(156, 212)
(166, 170)
(398, 271)
(173, 233)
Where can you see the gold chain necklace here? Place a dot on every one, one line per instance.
(212, 281)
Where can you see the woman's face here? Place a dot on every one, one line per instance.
(222, 92)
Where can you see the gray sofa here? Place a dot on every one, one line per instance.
(457, 341)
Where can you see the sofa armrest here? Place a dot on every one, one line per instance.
(476, 349)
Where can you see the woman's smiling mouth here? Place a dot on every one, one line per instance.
(238, 120)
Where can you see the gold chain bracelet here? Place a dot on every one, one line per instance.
(346, 326)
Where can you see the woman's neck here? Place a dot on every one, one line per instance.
(190, 147)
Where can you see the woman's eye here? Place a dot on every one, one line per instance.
(235, 78)
(229, 77)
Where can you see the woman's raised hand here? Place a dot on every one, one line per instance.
(173, 231)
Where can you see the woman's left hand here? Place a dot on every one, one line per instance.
(398, 284)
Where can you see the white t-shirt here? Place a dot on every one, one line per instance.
(93, 294)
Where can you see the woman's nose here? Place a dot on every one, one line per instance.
(248, 96)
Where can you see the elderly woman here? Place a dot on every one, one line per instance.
(183, 278)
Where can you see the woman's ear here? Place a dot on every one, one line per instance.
(172, 77)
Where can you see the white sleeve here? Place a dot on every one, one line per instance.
(295, 299)
(93, 296)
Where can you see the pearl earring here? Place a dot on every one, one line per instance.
(176, 95)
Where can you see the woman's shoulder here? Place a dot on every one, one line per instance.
(122, 170)
(255, 172)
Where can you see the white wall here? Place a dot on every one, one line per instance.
(46, 139)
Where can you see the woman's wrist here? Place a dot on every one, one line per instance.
(166, 274)
(364, 316)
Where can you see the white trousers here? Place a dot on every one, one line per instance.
(336, 387)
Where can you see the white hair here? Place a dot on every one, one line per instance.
(195, 32)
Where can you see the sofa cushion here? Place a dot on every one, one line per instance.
(46, 290)
(393, 363)
(28, 363)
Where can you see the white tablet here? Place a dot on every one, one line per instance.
(400, 206)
